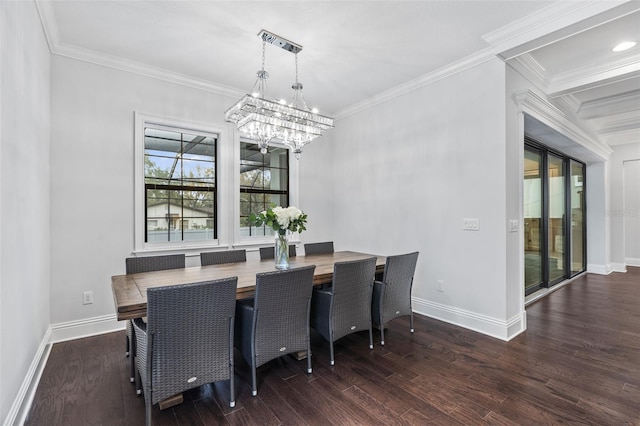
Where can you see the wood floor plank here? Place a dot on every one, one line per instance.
(578, 363)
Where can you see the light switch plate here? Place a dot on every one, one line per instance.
(471, 224)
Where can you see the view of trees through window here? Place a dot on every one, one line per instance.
(264, 182)
(180, 185)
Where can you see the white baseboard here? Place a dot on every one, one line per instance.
(22, 403)
(632, 261)
(619, 267)
(85, 328)
(503, 330)
(599, 269)
(55, 333)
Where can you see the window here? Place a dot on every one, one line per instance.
(176, 184)
(264, 181)
(179, 184)
(196, 184)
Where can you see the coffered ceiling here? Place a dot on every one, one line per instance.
(356, 53)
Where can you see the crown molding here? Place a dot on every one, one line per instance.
(47, 18)
(535, 105)
(415, 84)
(555, 22)
(527, 65)
(611, 105)
(595, 75)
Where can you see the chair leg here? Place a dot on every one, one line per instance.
(132, 356)
(127, 334)
(370, 337)
(138, 383)
(148, 410)
(331, 351)
(309, 369)
(411, 321)
(381, 333)
(254, 385)
(232, 393)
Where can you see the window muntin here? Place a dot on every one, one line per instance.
(180, 185)
(264, 181)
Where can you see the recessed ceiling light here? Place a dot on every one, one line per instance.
(625, 45)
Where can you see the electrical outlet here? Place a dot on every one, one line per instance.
(514, 225)
(87, 298)
(441, 286)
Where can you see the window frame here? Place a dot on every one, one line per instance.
(142, 121)
(293, 195)
(227, 188)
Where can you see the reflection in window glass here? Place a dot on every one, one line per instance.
(556, 217)
(180, 183)
(532, 220)
(577, 217)
(264, 182)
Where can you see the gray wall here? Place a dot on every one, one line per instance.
(24, 197)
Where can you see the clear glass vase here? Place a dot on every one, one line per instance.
(281, 253)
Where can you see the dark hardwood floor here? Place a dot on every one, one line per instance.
(578, 363)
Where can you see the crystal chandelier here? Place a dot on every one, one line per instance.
(264, 120)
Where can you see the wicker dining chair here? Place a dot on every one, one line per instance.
(187, 340)
(269, 252)
(318, 248)
(276, 321)
(345, 307)
(392, 295)
(220, 257)
(134, 265)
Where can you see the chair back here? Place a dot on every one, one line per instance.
(351, 291)
(135, 265)
(281, 312)
(269, 252)
(190, 329)
(220, 257)
(318, 248)
(398, 279)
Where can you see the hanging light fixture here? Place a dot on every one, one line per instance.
(264, 120)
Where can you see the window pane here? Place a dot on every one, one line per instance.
(532, 220)
(264, 182)
(577, 217)
(556, 217)
(180, 178)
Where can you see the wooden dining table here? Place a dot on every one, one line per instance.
(130, 291)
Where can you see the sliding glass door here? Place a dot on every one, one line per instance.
(554, 213)
(532, 219)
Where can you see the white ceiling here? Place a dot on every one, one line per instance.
(356, 51)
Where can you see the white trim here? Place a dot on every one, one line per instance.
(599, 269)
(549, 114)
(140, 121)
(415, 84)
(86, 327)
(50, 27)
(619, 267)
(22, 403)
(500, 329)
(632, 261)
(593, 76)
(552, 23)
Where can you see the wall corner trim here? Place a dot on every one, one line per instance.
(500, 329)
